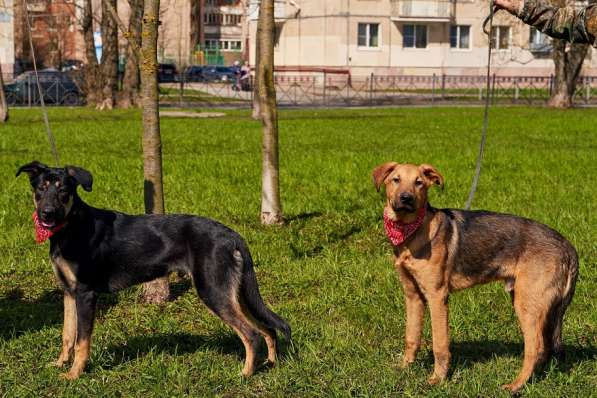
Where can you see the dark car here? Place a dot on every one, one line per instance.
(193, 73)
(167, 73)
(57, 87)
(219, 73)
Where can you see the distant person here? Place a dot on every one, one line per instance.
(567, 23)
(245, 74)
(236, 69)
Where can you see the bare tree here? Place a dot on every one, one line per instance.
(3, 104)
(91, 75)
(568, 59)
(156, 291)
(109, 61)
(271, 208)
(131, 80)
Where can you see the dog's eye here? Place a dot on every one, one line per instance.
(396, 180)
(418, 183)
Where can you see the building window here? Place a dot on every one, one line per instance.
(500, 37)
(211, 44)
(460, 36)
(539, 42)
(232, 19)
(235, 45)
(213, 19)
(368, 35)
(414, 36)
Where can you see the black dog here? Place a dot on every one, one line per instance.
(96, 250)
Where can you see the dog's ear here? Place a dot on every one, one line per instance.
(432, 175)
(33, 169)
(381, 172)
(81, 176)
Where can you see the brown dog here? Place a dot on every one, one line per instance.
(441, 250)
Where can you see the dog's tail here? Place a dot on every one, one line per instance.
(570, 268)
(254, 302)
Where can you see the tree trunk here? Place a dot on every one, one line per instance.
(244, 36)
(109, 64)
(271, 209)
(156, 291)
(197, 24)
(568, 60)
(3, 104)
(91, 72)
(131, 80)
(256, 115)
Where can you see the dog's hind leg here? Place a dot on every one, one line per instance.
(231, 313)
(269, 334)
(532, 305)
(69, 329)
(222, 300)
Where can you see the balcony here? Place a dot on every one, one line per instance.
(37, 6)
(423, 10)
(283, 9)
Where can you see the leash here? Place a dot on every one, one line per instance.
(471, 194)
(39, 90)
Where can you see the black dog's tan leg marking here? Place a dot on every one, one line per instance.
(268, 334)
(85, 303)
(233, 316)
(438, 308)
(69, 330)
(272, 344)
(227, 308)
(415, 312)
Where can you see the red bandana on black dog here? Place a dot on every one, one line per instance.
(397, 231)
(42, 233)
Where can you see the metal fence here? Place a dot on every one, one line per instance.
(313, 90)
(377, 90)
(59, 89)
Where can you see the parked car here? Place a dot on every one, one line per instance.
(57, 87)
(219, 73)
(193, 73)
(71, 64)
(167, 73)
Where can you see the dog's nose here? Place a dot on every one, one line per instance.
(47, 213)
(407, 198)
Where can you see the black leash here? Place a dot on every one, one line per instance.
(471, 195)
(40, 92)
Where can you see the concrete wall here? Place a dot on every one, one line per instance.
(324, 34)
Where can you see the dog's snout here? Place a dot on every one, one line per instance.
(47, 213)
(407, 198)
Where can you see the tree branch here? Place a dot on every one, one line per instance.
(125, 32)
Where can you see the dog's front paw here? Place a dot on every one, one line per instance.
(71, 375)
(406, 362)
(59, 363)
(514, 388)
(435, 379)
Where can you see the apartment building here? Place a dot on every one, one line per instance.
(54, 29)
(403, 37)
(202, 31)
(7, 55)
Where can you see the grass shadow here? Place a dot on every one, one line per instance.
(467, 353)
(179, 287)
(20, 316)
(334, 237)
(226, 343)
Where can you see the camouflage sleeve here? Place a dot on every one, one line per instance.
(575, 26)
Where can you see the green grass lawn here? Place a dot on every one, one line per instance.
(328, 271)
